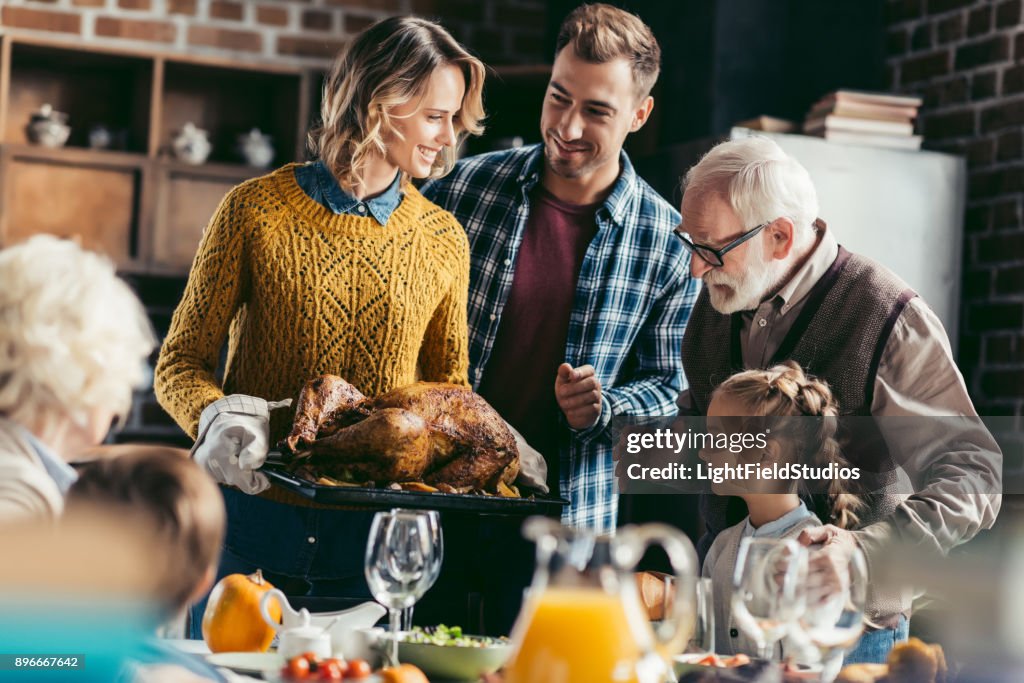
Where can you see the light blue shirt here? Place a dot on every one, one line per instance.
(317, 181)
(62, 473)
(780, 526)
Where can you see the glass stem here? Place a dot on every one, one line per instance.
(832, 663)
(766, 650)
(407, 618)
(393, 617)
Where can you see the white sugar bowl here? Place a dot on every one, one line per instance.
(293, 642)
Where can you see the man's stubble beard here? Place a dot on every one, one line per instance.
(563, 169)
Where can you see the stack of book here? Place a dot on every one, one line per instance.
(864, 118)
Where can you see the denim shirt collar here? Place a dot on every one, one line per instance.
(62, 473)
(616, 204)
(340, 202)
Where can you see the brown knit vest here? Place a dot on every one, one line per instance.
(838, 336)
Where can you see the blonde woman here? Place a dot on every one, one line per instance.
(74, 341)
(338, 266)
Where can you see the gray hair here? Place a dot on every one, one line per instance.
(73, 336)
(759, 181)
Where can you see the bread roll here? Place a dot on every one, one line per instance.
(651, 587)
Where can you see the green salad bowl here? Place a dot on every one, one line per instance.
(456, 662)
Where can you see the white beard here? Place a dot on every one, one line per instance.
(746, 291)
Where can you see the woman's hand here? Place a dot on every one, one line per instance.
(234, 438)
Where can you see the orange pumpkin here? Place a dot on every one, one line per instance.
(232, 621)
(404, 673)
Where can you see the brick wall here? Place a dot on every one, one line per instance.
(966, 59)
(294, 31)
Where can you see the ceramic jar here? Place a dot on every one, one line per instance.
(191, 145)
(48, 127)
(256, 149)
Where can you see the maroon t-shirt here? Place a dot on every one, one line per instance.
(519, 378)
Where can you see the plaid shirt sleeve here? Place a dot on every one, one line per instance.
(656, 380)
(634, 296)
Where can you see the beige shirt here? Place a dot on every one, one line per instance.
(917, 376)
(26, 489)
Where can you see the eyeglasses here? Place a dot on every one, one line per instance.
(714, 257)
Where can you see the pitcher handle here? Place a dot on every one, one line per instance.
(281, 599)
(633, 541)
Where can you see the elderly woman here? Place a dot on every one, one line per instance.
(74, 341)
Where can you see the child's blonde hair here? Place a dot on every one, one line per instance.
(174, 499)
(784, 391)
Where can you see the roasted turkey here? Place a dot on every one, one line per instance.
(441, 434)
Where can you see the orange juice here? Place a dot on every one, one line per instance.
(575, 635)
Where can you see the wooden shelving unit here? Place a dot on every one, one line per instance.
(137, 204)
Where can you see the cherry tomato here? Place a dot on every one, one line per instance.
(332, 670)
(358, 668)
(297, 669)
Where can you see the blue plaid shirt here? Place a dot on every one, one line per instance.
(633, 298)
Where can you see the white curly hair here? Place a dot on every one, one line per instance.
(74, 338)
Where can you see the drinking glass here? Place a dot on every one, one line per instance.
(699, 638)
(434, 523)
(833, 618)
(399, 553)
(703, 639)
(768, 589)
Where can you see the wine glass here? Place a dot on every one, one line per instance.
(399, 552)
(434, 523)
(768, 589)
(699, 638)
(703, 639)
(833, 619)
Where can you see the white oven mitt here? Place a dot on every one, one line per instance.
(233, 440)
(533, 469)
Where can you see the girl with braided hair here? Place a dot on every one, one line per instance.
(771, 402)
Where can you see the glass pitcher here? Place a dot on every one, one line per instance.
(582, 618)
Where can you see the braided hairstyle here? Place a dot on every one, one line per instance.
(784, 391)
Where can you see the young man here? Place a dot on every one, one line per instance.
(579, 294)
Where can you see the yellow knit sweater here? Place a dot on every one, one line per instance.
(299, 291)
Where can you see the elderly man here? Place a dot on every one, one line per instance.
(777, 287)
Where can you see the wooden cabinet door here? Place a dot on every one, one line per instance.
(189, 196)
(94, 203)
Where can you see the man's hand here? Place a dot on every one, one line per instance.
(829, 568)
(578, 393)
